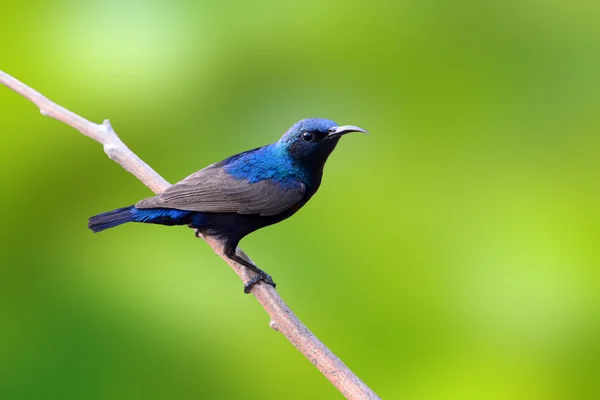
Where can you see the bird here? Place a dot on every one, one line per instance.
(243, 193)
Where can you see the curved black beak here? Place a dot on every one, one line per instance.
(337, 131)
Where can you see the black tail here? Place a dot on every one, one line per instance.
(111, 219)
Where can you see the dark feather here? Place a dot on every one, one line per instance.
(214, 190)
(111, 219)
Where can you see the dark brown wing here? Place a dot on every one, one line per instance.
(214, 190)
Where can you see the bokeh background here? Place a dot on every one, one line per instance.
(451, 254)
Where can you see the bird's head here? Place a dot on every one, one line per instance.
(311, 140)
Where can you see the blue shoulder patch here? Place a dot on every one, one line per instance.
(268, 162)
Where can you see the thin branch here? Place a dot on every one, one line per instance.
(282, 318)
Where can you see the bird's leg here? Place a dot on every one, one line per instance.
(261, 275)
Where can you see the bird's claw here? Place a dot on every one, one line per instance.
(266, 278)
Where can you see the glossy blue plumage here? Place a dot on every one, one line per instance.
(277, 162)
(268, 162)
(242, 193)
(157, 213)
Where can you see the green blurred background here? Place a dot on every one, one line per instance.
(451, 254)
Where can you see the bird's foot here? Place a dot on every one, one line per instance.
(266, 278)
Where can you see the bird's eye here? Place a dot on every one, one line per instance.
(307, 136)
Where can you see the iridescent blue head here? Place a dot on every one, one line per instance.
(311, 140)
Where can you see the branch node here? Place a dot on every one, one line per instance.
(111, 150)
(44, 113)
(274, 326)
(107, 131)
(108, 137)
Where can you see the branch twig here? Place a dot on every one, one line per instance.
(282, 318)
